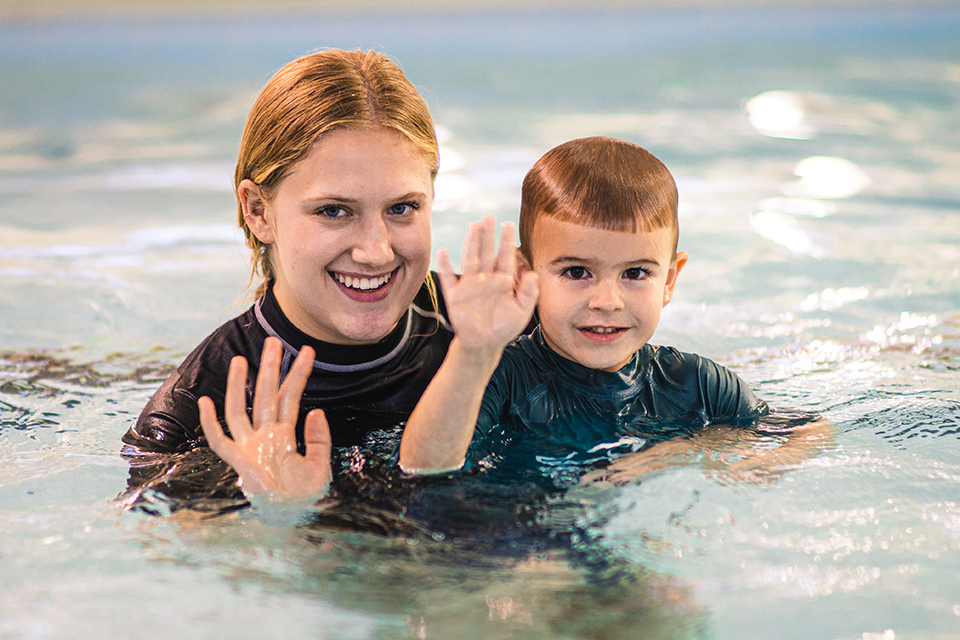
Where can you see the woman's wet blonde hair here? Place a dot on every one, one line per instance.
(312, 96)
(599, 182)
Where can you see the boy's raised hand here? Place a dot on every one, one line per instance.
(486, 304)
(488, 309)
(264, 453)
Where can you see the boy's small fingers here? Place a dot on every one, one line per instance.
(448, 279)
(470, 256)
(507, 254)
(528, 291)
(487, 245)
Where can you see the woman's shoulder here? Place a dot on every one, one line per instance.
(242, 335)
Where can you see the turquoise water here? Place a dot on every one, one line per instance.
(818, 158)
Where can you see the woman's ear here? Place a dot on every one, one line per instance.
(678, 263)
(255, 211)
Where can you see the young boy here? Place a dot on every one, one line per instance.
(598, 236)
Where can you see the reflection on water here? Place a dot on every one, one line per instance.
(816, 157)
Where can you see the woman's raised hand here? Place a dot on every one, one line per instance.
(264, 453)
(486, 304)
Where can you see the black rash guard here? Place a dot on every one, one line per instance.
(545, 415)
(361, 388)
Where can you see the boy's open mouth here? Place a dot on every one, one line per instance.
(602, 334)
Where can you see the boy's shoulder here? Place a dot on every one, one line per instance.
(679, 365)
(669, 365)
(694, 380)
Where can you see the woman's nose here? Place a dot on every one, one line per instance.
(372, 245)
(606, 296)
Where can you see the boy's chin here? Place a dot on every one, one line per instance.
(611, 365)
(602, 359)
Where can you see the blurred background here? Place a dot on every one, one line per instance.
(816, 146)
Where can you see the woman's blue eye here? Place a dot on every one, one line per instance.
(332, 211)
(576, 273)
(402, 208)
(635, 274)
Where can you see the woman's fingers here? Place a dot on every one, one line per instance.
(316, 436)
(212, 429)
(293, 386)
(268, 379)
(235, 400)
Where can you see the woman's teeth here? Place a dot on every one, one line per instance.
(363, 284)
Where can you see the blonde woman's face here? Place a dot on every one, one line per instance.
(349, 229)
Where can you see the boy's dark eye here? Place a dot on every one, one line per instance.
(576, 273)
(635, 274)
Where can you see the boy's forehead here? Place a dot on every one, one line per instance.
(554, 239)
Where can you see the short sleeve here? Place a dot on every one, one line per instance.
(489, 437)
(727, 398)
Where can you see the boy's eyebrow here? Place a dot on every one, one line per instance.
(574, 259)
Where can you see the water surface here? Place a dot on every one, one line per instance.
(817, 154)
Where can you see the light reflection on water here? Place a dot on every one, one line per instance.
(816, 157)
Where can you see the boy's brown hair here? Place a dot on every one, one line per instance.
(599, 182)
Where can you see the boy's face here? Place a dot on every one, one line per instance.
(601, 292)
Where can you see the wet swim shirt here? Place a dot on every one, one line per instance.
(361, 388)
(542, 407)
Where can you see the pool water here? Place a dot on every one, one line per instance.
(817, 153)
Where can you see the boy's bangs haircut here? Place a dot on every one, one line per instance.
(599, 182)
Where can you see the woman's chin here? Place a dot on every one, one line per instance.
(367, 328)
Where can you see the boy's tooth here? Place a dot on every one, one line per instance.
(603, 330)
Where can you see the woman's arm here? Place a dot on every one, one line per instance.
(264, 453)
(488, 308)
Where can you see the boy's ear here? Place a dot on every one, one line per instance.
(255, 211)
(678, 263)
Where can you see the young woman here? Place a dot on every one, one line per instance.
(334, 184)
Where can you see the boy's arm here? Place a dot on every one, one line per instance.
(735, 454)
(488, 309)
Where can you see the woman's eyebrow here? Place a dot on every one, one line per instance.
(413, 195)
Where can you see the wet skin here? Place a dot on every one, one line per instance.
(601, 292)
(349, 234)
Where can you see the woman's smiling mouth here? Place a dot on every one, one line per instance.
(364, 288)
(363, 283)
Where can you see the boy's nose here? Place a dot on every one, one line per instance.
(372, 246)
(606, 296)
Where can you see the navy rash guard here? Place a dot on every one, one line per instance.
(361, 388)
(545, 415)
